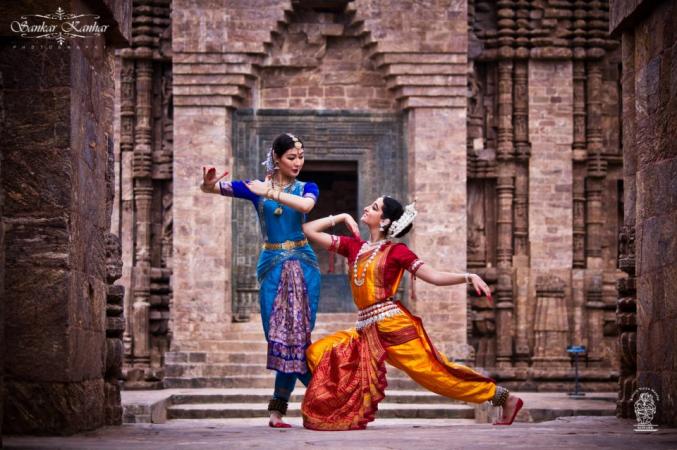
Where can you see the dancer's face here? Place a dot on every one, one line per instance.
(371, 214)
(291, 162)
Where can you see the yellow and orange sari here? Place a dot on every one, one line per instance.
(348, 367)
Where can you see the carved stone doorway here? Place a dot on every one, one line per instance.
(353, 156)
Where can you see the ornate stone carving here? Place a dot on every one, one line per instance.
(145, 194)
(115, 325)
(550, 324)
(626, 320)
(579, 156)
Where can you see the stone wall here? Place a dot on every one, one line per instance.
(2, 273)
(649, 113)
(57, 185)
(318, 62)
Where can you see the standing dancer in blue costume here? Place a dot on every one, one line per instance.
(287, 269)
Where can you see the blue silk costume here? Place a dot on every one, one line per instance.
(289, 282)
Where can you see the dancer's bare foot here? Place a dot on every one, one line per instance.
(276, 420)
(510, 409)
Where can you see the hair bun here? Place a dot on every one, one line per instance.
(406, 219)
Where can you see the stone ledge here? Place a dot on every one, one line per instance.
(160, 406)
(433, 102)
(417, 58)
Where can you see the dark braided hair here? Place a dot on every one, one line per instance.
(283, 143)
(393, 210)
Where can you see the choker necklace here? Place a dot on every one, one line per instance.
(364, 249)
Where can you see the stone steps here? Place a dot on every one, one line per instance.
(213, 369)
(262, 380)
(222, 345)
(385, 410)
(238, 359)
(252, 396)
(257, 334)
(243, 403)
(240, 341)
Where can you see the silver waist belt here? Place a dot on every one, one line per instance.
(375, 313)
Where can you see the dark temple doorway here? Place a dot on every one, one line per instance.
(353, 156)
(338, 184)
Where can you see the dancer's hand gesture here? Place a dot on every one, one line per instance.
(259, 187)
(480, 286)
(209, 178)
(351, 225)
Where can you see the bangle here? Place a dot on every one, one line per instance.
(278, 196)
(466, 275)
(267, 195)
(332, 220)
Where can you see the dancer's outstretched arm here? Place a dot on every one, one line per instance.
(261, 188)
(314, 230)
(439, 278)
(265, 189)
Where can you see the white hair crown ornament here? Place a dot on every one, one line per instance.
(404, 221)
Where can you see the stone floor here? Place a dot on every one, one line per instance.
(158, 406)
(564, 433)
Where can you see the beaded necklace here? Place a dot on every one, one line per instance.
(364, 249)
(281, 188)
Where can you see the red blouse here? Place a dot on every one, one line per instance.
(399, 257)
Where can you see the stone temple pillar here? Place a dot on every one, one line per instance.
(440, 233)
(57, 186)
(649, 108)
(550, 205)
(202, 237)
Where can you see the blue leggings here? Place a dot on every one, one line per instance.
(285, 382)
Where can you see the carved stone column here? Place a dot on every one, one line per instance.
(143, 191)
(520, 258)
(595, 318)
(580, 156)
(594, 184)
(596, 164)
(505, 185)
(626, 320)
(115, 325)
(522, 149)
(126, 184)
(505, 134)
(550, 325)
(504, 303)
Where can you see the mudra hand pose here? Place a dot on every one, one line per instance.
(287, 269)
(348, 367)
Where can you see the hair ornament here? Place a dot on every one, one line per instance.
(297, 143)
(269, 163)
(404, 221)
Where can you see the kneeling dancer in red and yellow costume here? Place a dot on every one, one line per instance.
(348, 367)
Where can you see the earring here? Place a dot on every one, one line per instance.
(382, 228)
